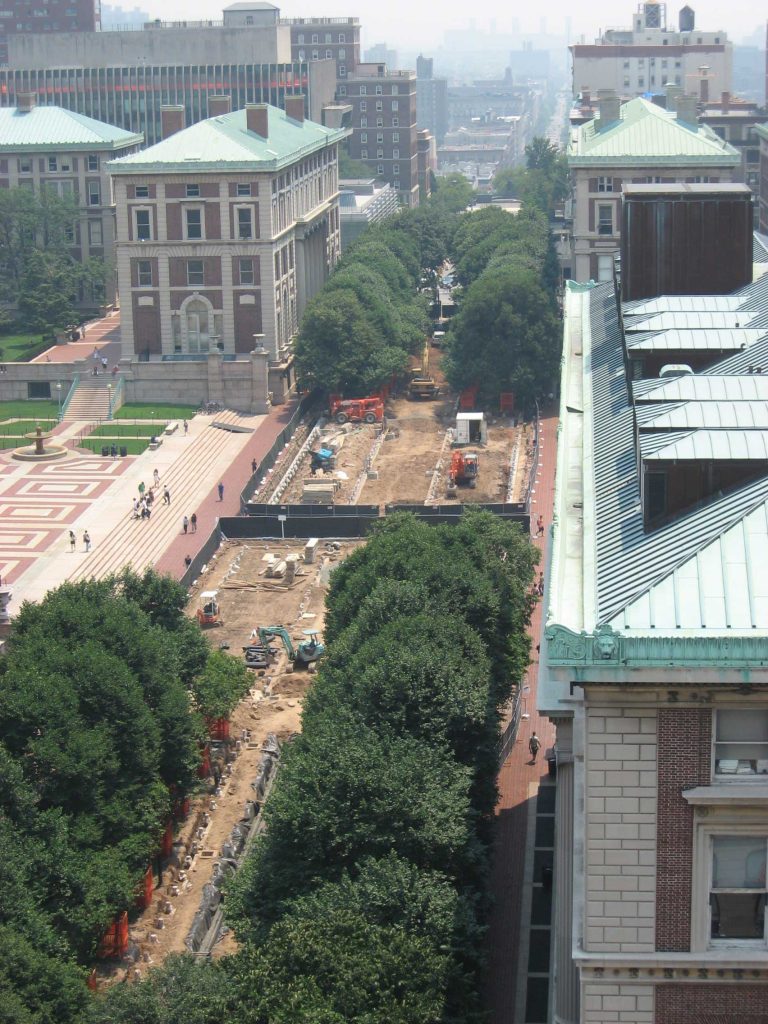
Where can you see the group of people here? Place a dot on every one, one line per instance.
(73, 540)
(142, 506)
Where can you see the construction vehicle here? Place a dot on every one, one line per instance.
(302, 654)
(209, 610)
(322, 458)
(357, 410)
(463, 471)
(422, 385)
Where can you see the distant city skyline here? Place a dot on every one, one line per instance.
(401, 23)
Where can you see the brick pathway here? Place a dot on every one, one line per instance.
(234, 478)
(39, 504)
(103, 335)
(516, 780)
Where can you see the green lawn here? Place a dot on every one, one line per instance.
(115, 429)
(148, 411)
(19, 427)
(135, 446)
(29, 408)
(20, 348)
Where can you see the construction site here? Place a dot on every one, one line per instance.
(263, 600)
(417, 445)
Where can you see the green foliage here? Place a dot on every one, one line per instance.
(452, 192)
(96, 730)
(542, 183)
(350, 169)
(377, 948)
(37, 269)
(221, 686)
(506, 336)
(183, 989)
(37, 987)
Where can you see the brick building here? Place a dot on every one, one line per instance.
(384, 133)
(653, 663)
(636, 142)
(47, 147)
(225, 230)
(20, 16)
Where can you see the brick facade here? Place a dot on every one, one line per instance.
(711, 1004)
(684, 755)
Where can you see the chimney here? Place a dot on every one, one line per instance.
(26, 101)
(586, 99)
(673, 91)
(725, 102)
(294, 107)
(218, 105)
(257, 119)
(609, 105)
(687, 110)
(171, 120)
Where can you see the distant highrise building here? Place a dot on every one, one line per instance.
(114, 14)
(336, 39)
(380, 53)
(431, 99)
(55, 16)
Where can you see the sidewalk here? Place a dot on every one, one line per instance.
(518, 783)
(103, 335)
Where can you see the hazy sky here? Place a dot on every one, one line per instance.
(417, 24)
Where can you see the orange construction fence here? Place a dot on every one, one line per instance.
(114, 941)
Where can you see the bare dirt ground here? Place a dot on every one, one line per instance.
(247, 600)
(350, 463)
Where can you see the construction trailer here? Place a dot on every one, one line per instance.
(471, 428)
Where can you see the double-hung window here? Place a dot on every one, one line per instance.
(737, 894)
(143, 225)
(193, 222)
(195, 273)
(244, 222)
(605, 220)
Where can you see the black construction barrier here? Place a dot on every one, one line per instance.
(355, 521)
(455, 509)
(261, 509)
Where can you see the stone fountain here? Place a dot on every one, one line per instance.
(40, 451)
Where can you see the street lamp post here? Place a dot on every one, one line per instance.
(58, 394)
(109, 395)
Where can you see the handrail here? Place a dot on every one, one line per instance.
(70, 396)
(115, 393)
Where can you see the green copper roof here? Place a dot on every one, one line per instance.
(43, 128)
(224, 143)
(646, 134)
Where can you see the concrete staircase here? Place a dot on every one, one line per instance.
(90, 401)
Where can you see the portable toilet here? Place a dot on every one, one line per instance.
(471, 428)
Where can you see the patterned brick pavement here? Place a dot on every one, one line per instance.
(517, 781)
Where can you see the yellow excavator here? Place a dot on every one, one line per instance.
(422, 385)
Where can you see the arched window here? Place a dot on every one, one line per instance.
(197, 319)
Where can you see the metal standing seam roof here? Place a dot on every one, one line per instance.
(723, 445)
(759, 248)
(41, 128)
(696, 387)
(629, 560)
(703, 416)
(718, 339)
(647, 134)
(224, 142)
(689, 320)
(755, 355)
(722, 586)
(681, 304)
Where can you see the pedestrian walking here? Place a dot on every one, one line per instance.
(104, 363)
(187, 560)
(221, 492)
(87, 540)
(72, 540)
(254, 465)
(142, 488)
(540, 526)
(534, 745)
(156, 475)
(186, 427)
(193, 522)
(185, 524)
(166, 496)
